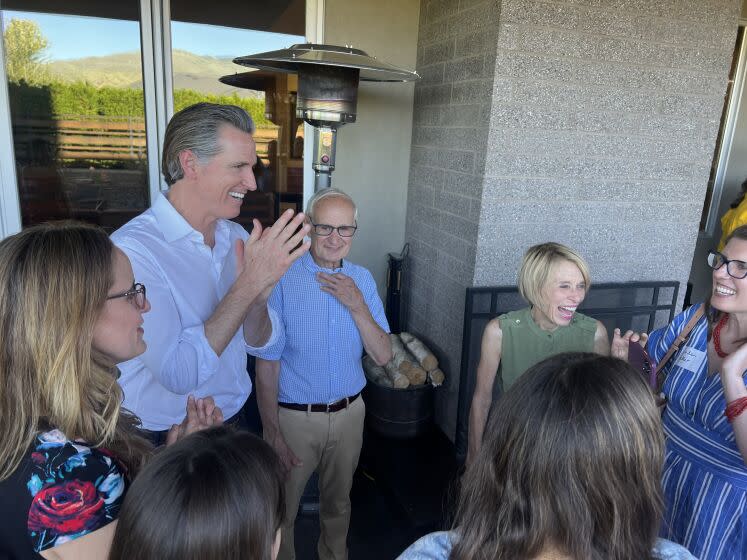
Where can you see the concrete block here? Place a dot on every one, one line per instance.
(433, 32)
(459, 227)
(427, 214)
(458, 248)
(436, 52)
(499, 190)
(693, 126)
(539, 14)
(610, 123)
(465, 4)
(453, 204)
(426, 176)
(422, 196)
(688, 105)
(474, 91)
(462, 115)
(480, 16)
(439, 9)
(426, 114)
(463, 183)
(470, 42)
(433, 95)
(535, 117)
(588, 168)
(457, 160)
(567, 143)
(431, 75)
(469, 68)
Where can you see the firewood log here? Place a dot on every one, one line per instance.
(375, 373)
(405, 363)
(436, 377)
(414, 373)
(399, 381)
(424, 356)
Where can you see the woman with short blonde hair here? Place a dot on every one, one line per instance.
(554, 280)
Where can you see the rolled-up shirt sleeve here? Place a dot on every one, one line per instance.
(179, 356)
(276, 344)
(372, 299)
(277, 325)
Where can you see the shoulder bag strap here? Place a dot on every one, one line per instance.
(682, 337)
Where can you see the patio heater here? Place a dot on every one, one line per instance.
(327, 98)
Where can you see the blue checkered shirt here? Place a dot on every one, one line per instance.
(319, 346)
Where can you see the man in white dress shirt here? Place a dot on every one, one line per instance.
(208, 281)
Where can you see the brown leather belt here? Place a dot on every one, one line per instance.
(332, 407)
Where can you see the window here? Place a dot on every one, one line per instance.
(78, 125)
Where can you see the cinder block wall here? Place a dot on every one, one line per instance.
(601, 124)
(456, 60)
(602, 131)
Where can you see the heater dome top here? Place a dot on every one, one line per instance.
(258, 80)
(303, 56)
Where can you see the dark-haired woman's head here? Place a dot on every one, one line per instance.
(571, 461)
(216, 494)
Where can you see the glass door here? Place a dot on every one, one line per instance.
(75, 90)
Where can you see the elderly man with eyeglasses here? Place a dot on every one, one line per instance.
(309, 381)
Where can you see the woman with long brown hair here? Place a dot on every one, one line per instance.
(569, 469)
(70, 310)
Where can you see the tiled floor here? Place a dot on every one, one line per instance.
(399, 494)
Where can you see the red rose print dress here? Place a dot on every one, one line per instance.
(62, 490)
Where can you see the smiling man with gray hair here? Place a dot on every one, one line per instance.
(208, 280)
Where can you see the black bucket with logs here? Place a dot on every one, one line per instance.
(398, 413)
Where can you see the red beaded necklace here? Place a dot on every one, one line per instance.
(717, 336)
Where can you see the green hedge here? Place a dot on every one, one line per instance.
(81, 99)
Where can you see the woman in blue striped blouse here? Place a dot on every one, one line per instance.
(705, 477)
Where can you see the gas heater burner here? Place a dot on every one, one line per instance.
(328, 77)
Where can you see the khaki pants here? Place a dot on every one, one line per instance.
(329, 443)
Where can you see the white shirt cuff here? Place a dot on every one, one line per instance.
(276, 325)
(208, 362)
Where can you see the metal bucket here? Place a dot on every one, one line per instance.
(398, 413)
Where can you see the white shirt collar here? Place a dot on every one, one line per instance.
(172, 224)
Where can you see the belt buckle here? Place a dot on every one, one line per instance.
(328, 408)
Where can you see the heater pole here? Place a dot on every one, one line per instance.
(325, 141)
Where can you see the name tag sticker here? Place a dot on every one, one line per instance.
(690, 359)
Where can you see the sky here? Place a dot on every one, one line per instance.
(71, 37)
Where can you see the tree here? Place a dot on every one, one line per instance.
(25, 52)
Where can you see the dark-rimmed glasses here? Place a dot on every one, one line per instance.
(735, 269)
(323, 230)
(135, 295)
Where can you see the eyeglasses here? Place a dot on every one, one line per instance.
(735, 269)
(135, 296)
(323, 230)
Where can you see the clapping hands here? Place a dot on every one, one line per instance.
(201, 414)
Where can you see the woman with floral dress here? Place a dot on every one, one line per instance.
(69, 311)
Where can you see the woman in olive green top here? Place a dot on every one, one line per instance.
(554, 280)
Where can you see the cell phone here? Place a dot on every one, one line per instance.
(641, 361)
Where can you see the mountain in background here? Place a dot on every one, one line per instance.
(190, 71)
